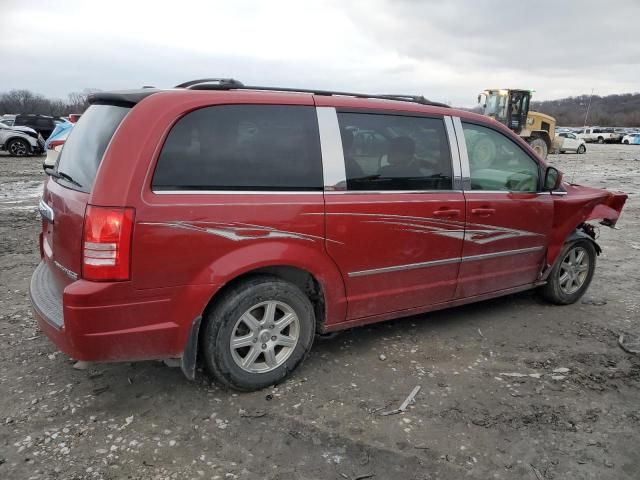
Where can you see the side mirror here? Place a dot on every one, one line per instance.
(552, 179)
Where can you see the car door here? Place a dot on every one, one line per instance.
(394, 221)
(508, 221)
(570, 142)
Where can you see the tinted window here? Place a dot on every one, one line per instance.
(242, 147)
(83, 150)
(43, 122)
(394, 152)
(497, 163)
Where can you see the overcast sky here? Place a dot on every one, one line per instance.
(445, 50)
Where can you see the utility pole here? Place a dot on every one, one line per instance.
(588, 107)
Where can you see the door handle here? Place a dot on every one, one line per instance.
(483, 212)
(449, 212)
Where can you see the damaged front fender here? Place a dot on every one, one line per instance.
(579, 205)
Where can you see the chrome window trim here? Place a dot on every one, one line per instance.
(464, 155)
(514, 192)
(455, 153)
(333, 163)
(333, 166)
(237, 192)
(378, 192)
(445, 261)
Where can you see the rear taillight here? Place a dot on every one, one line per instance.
(106, 244)
(55, 143)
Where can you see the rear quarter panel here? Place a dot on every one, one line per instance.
(209, 239)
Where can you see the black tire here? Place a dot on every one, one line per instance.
(221, 323)
(582, 149)
(626, 142)
(18, 148)
(553, 291)
(600, 140)
(540, 146)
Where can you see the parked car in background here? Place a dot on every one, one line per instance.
(54, 147)
(631, 139)
(43, 124)
(571, 143)
(9, 123)
(8, 119)
(599, 135)
(20, 141)
(230, 224)
(63, 126)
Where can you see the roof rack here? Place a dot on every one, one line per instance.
(233, 84)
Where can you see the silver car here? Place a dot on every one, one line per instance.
(20, 143)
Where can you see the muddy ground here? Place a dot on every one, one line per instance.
(512, 388)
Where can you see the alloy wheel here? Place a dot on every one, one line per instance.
(18, 149)
(574, 270)
(265, 336)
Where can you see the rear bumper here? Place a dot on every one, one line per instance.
(110, 322)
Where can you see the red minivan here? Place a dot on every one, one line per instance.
(227, 224)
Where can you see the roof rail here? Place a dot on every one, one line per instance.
(232, 84)
(211, 84)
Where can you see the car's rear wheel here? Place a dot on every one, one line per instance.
(600, 140)
(626, 142)
(572, 274)
(582, 149)
(18, 148)
(257, 333)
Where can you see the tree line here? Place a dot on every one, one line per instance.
(610, 111)
(26, 101)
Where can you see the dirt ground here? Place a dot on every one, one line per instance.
(512, 388)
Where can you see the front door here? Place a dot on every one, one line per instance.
(394, 224)
(508, 221)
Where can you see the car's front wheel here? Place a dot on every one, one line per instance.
(18, 148)
(582, 149)
(572, 273)
(257, 333)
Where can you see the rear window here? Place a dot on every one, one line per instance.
(242, 147)
(83, 150)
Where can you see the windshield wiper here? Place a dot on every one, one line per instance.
(64, 176)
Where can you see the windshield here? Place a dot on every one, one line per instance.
(87, 142)
(496, 106)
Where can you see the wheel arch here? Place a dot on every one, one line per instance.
(312, 271)
(583, 231)
(301, 278)
(17, 137)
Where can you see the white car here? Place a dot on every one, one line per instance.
(571, 143)
(54, 148)
(631, 139)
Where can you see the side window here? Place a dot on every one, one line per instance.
(497, 163)
(43, 122)
(395, 152)
(242, 147)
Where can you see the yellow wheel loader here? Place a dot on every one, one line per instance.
(511, 108)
